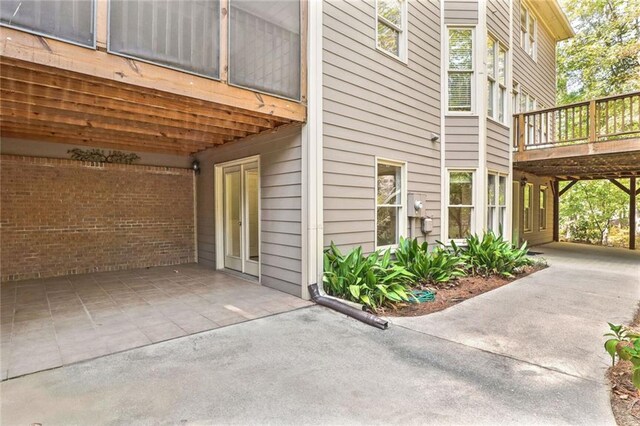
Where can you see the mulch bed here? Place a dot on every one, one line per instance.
(625, 398)
(453, 293)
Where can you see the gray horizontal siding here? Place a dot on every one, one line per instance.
(280, 186)
(461, 12)
(497, 147)
(498, 20)
(537, 77)
(375, 106)
(461, 141)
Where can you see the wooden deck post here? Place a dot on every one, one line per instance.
(592, 121)
(632, 212)
(555, 189)
(521, 132)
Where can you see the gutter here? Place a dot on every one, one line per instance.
(348, 310)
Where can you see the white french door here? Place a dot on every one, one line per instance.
(239, 210)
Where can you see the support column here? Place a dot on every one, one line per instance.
(555, 189)
(632, 213)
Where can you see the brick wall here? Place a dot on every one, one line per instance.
(62, 217)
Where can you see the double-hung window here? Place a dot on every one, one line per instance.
(528, 32)
(460, 204)
(496, 80)
(542, 224)
(391, 27)
(528, 207)
(391, 199)
(496, 202)
(460, 69)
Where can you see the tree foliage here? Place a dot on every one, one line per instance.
(604, 56)
(602, 59)
(591, 210)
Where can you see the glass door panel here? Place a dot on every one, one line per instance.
(251, 230)
(232, 218)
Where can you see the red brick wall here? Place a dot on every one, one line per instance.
(64, 217)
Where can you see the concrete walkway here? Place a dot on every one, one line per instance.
(527, 353)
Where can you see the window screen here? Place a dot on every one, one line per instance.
(264, 46)
(181, 34)
(70, 20)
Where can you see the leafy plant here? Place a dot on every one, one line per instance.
(491, 255)
(438, 266)
(373, 280)
(625, 344)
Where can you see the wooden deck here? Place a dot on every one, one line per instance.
(597, 139)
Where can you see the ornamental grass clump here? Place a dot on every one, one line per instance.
(437, 266)
(374, 280)
(492, 255)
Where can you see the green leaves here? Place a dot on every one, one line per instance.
(626, 345)
(373, 280)
(437, 266)
(491, 255)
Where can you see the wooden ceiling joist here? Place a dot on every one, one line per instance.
(56, 104)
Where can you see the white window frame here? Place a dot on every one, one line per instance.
(447, 200)
(524, 213)
(542, 207)
(402, 211)
(497, 87)
(474, 43)
(403, 38)
(526, 39)
(515, 92)
(495, 203)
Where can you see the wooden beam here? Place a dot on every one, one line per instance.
(632, 213)
(27, 47)
(555, 189)
(621, 186)
(96, 142)
(16, 125)
(74, 82)
(578, 150)
(37, 94)
(566, 188)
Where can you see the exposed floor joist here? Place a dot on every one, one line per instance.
(46, 103)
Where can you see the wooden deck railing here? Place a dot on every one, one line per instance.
(611, 118)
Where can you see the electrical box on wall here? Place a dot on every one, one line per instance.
(416, 204)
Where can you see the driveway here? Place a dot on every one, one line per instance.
(511, 361)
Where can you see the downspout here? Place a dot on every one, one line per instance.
(312, 185)
(343, 308)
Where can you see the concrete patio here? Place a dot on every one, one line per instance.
(51, 322)
(526, 353)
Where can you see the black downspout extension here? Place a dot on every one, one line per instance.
(363, 316)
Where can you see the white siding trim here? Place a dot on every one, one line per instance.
(508, 222)
(444, 216)
(480, 180)
(312, 158)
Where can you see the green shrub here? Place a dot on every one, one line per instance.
(626, 345)
(491, 255)
(438, 266)
(373, 280)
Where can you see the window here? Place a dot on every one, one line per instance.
(460, 205)
(528, 207)
(179, 34)
(460, 69)
(68, 20)
(497, 81)
(264, 46)
(496, 202)
(391, 22)
(515, 97)
(528, 32)
(543, 208)
(390, 202)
